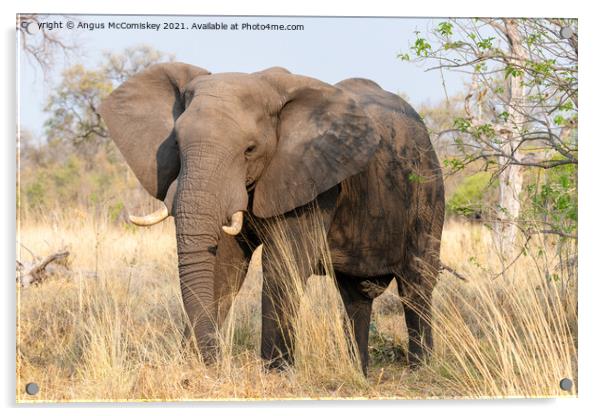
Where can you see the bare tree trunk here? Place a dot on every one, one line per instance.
(511, 177)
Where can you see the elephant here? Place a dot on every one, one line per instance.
(267, 146)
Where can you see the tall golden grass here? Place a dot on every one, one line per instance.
(118, 336)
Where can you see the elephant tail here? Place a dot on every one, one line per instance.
(454, 272)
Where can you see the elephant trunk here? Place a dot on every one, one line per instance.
(201, 209)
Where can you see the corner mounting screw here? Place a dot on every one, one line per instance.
(566, 384)
(32, 389)
(566, 33)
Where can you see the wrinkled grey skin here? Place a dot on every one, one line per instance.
(271, 144)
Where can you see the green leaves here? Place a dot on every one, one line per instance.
(486, 43)
(471, 195)
(421, 47)
(480, 67)
(415, 178)
(542, 68)
(513, 71)
(485, 130)
(454, 164)
(559, 120)
(523, 92)
(461, 124)
(464, 125)
(541, 71)
(445, 29)
(556, 198)
(533, 38)
(566, 106)
(453, 45)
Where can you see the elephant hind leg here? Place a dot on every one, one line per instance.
(415, 289)
(418, 321)
(358, 295)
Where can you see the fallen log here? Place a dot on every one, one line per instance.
(35, 272)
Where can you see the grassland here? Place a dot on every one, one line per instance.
(117, 336)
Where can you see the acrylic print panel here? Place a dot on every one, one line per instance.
(215, 208)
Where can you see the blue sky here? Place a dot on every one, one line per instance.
(330, 49)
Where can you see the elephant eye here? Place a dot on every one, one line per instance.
(250, 149)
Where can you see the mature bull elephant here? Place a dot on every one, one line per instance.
(270, 144)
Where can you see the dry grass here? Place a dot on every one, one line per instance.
(118, 336)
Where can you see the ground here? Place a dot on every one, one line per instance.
(111, 329)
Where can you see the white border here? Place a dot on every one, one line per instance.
(590, 194)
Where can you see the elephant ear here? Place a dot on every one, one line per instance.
(324, 136)
(141, 115)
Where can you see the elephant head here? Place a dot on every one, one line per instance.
(202, 141)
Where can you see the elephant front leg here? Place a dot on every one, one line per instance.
(287, 263)
(291, 253)
(278, 306)
(231, 265)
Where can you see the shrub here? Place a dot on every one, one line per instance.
(471, 196)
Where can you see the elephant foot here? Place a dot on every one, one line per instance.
(416, 359)
(414, 365)
(207, 349)
(187, 341)
(277, 364)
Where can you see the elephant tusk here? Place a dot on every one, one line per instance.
(235, 224)
(150, 219)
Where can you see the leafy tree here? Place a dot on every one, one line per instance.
(439, 119)
(520, 111)
(73, 106)
(76, 165)
(118, 67)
